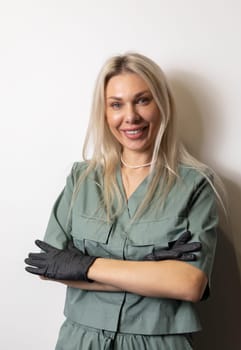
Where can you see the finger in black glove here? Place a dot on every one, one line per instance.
(177, 250)
(60, 264)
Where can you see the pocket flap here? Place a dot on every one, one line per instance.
(91, 228)
(157, 232)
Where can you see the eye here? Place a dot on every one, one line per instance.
(143, 100)
(115, 105)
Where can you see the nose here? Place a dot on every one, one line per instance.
(131, 115)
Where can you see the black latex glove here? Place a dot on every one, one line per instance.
(177, 250)
(59, 264)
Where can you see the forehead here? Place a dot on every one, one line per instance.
(125, 84)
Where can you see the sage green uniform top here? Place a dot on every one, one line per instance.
(190, 205)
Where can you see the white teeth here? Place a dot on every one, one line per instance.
(133, 132)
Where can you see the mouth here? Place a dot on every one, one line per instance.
(135, 133)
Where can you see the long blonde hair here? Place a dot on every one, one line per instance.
(168, 152)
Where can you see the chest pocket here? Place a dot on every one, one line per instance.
(91, 235)
(144, 236)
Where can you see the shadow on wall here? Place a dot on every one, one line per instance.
(220, 314)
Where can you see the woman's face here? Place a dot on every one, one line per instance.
(131, 112)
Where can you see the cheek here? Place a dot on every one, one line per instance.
(113, 120)
(154, 116)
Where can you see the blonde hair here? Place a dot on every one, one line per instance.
(168, 152)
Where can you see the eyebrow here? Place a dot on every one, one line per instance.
(135, 96)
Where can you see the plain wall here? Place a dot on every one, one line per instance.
(50, 54)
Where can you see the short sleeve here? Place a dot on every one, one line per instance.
(203, 221)
(59, 224)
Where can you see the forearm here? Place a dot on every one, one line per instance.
(164, 279)
(94, 286)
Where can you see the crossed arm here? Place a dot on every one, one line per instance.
(164, 279)
(157, 277)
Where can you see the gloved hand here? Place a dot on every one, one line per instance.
(60, 264)
(177, 250)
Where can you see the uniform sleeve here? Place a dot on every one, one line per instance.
(203, 221)
(59, 225)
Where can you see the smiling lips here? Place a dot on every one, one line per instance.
(135, 133)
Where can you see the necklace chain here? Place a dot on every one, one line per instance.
(135, 166)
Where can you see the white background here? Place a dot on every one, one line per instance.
(50, 54)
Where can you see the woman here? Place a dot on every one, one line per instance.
(133, 233)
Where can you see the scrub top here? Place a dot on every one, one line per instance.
(190, 205)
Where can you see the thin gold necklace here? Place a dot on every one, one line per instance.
(135, 166)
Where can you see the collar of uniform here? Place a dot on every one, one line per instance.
(136, 198)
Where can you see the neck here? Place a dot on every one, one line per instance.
(135, 166)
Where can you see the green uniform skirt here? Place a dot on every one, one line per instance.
(73, 336)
